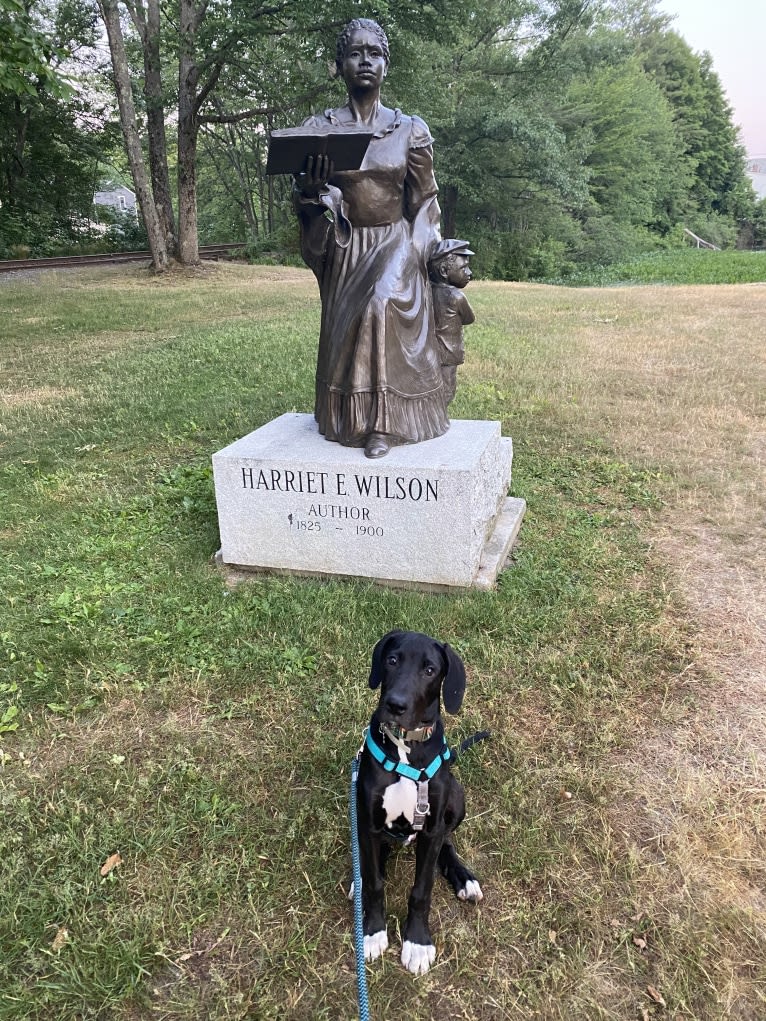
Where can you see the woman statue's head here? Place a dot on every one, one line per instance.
(357, 25)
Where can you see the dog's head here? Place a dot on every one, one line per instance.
(412, 671)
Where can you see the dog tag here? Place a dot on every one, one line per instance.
(422, 807)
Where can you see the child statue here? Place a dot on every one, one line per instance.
(449, 272)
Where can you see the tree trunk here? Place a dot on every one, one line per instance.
(449, 209)
(148, 27)
(188, 241)
(188, 131)
(129, 126)
(16, 169)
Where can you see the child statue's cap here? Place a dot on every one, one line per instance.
(448, 246)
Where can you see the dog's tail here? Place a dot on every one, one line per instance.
(469, 742)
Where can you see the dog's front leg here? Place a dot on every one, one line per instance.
(418, 952)
(372, 866)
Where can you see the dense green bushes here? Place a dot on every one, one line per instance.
(678, 266)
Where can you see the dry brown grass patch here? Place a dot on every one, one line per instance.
(35, 397)
(692, 373)
(674, 378)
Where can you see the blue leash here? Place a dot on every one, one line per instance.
(361, 973)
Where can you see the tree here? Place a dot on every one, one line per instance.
(722, 183)
(209, 45)
(29, 56)
(486, 86)
(50, 135)
(122, 83)
(147, 20)
(718, 189)
(439, 70)
(636, 176)
(564, 128)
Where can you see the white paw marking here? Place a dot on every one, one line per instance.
(471, 891)
(375, 945)
(418, 958)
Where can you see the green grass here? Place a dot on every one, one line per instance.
(687, 266)
(206, 733)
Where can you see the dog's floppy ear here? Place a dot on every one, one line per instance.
(376, 667)
(453, 685)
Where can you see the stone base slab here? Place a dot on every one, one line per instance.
(432, 514)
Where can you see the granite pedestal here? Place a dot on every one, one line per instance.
(433, 514)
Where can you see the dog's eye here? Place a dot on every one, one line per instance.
(392, 660)
(429, 671)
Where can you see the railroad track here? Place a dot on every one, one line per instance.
(57, 262)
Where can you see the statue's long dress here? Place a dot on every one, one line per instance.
(367, 239)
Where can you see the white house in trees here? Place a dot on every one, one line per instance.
(118, 197)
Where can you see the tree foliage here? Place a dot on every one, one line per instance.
(707, 136)
(567, 131)
(29, 50)
(51, 134)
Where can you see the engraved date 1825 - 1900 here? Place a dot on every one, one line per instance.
(357, 516)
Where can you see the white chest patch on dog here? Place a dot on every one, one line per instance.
(400, 799)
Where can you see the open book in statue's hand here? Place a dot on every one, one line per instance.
(290, 147)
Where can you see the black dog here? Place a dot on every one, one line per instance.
(406, 790)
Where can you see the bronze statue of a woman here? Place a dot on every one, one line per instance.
(367, 235)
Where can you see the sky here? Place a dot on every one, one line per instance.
(734, 33)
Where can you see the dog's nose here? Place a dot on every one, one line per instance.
(394, 707)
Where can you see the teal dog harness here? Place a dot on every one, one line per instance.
(403, 768)
(419, 776)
